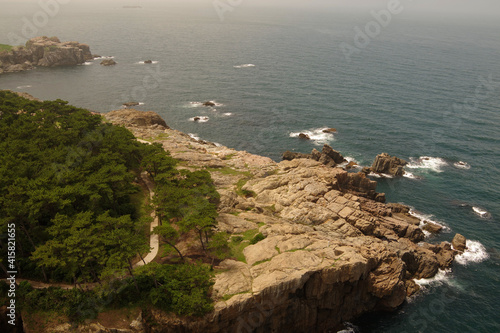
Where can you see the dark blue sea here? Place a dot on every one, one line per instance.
(424, 86)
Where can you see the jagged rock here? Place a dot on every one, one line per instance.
(148, 61)
(329, 130)
(132, 117)
(432, 227)
(290, 155)
(359, 184)
(209, 103)
(459, 243)
(351, 165)
(384, 163)
(108, 62)
(333, 154)
(304, 136)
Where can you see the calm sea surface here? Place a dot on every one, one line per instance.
(423, 87)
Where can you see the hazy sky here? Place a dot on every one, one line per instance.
(445, 7)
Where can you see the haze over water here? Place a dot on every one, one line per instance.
(426, 85)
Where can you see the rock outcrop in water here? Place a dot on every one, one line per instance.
(332, 251)
(44, 52)
(386, 164)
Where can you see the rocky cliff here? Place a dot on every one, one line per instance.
(45, 52)
(330, 251)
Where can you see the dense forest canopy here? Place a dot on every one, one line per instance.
(68, 182)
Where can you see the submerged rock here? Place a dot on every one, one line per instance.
(108, 62)
(304, 136)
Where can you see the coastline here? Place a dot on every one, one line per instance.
(326, 251)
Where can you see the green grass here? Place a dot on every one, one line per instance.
(228, 296)
(228, 157)
(261, 262)
(5, 47)
(239, 242)
(241, 192)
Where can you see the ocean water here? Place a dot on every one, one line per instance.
(426, 88)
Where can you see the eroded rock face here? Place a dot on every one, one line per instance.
(459, 242)
(328, 156)
(391, 165)
(46, 52)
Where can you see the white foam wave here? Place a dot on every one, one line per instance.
(427, 218)
(194, 136)
(316, 135)
(380, 175)
(104, 57)
(410, 175)
(461, 165)
(228, 114)
(141, 103)
(87, 63)
(199, 119)
(441, 277)
(244, 66)
(481, 212)
(474, 252)
(24, 87)
(425, 162)
(143, 63)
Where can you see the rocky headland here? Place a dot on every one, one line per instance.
(44, 52)
(332, 251)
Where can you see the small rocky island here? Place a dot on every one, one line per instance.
(44, 52)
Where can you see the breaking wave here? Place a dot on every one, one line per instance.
(316, 135)
(199, 119)
(441, 277)
(481, 212)
(425, 162)
(461, 165)
(244, 66)
(474, 252)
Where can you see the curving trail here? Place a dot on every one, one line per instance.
(154, 240)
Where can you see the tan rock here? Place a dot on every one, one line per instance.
(459, 242)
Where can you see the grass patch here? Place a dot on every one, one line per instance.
(228, 296)
(261, 262)
(277, 249)
(228, 157)
(261, 224)
(257, 238)
(239, 242)
(244, 193)
(5, 48)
